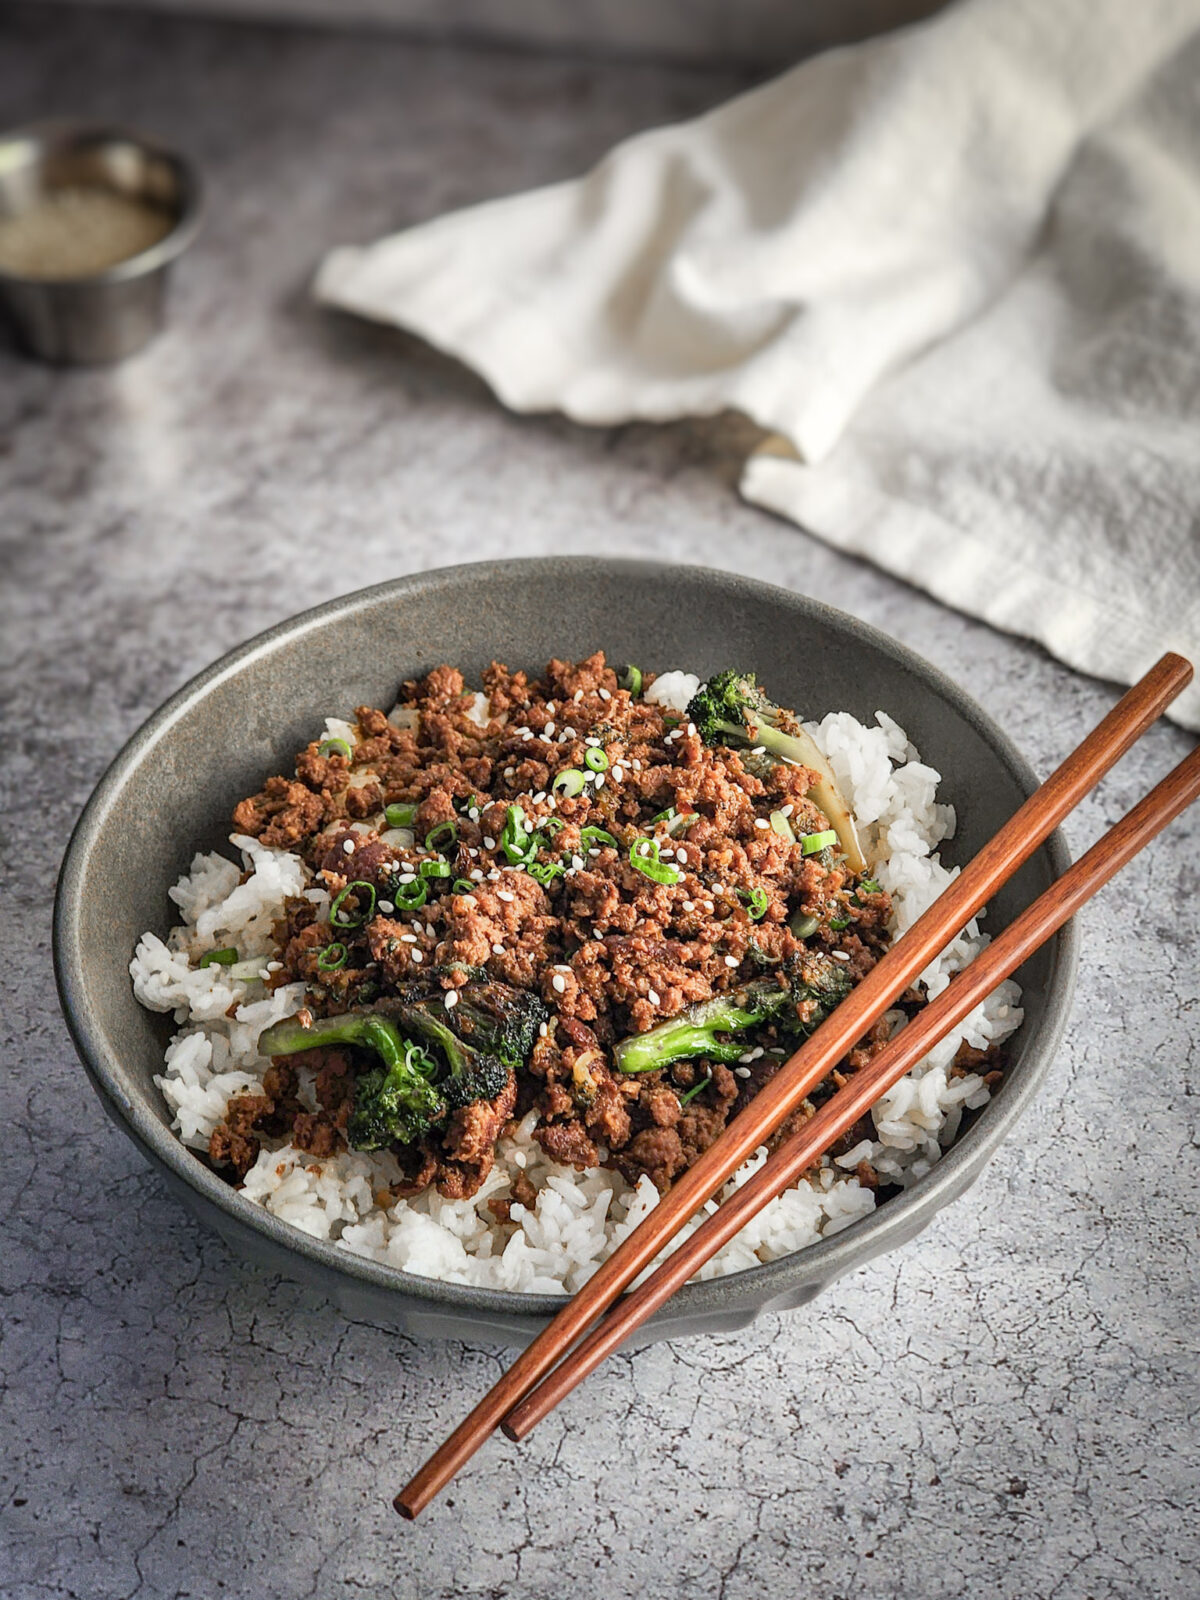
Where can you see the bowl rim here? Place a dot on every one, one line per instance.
(766, 1284)
(40, 136)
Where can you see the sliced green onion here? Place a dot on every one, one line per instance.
(363, 916)
(438, 838)
(596, 837)
(695, 1090)
(812, 842)
(545, 872)
(419, 1060)
(219, 958)
(631, 679)
(462, 886)
(334, 747)
(400, 815)
(471, 803)
(435, 867)
(784, 828)
(802, 926)
(551, 825)
(332, 958)
(667, 816)
(838, 923)
(869, 886)
(409, 896)
(570, 781)
(756, 902)
(596, 759)
(643, 854)
(517, 840)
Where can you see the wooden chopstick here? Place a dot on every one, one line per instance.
(997, 961)
(1015, 842)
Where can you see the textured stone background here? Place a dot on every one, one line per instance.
(1003, 1408)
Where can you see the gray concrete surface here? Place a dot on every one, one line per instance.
(1004, 1408)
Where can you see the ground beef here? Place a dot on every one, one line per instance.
(610, 951)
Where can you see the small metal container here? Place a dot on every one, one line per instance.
(112, 313)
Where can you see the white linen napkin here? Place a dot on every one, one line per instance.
(955, 271)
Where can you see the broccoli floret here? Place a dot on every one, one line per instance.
(395, 1103)
(814, 986)
(499, 1018)
(475, 1071)
(732, 709)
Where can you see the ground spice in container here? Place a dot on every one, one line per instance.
(78, 230)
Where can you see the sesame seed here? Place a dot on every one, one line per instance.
(756, 1052)
(761, 822)
(578, 696)
(430, 930)
(681, 854)
(759, 750)
(509, 771)
(451, 999)
(559, 983)
(691, 728)
(497, 949)
(539, 797)
(652, 996)
(417, 957)
(473, 813)
(618, 774)
(839, 955)
(274, 966)
(689, 905)
(786, 811)
(749, 1056)
(594, 851)
(548, 731)
(519, 1157)
(560, 966)
(407, 877)
(476, 876)
(550, 707)
(577, 862)
(599, 780)
(408, 938)
(742, 1072)
(731, 961)
(488, 842)
(386, 907)
(407, 866)
(505, 894)
(493, 876)
(567, 733)
(592, 742)
(596, 934)
(709, 907)
(526, 733)
(348, 846)
(543, 1030)
(637, 765)
(472, 852)
(605, 694)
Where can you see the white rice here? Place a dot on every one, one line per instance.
(578, 1218)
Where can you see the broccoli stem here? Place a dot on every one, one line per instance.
(693, 1032)
(362, 1028)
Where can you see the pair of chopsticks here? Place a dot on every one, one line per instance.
(554, 1363)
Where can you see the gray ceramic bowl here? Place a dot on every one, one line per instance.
(170, 792)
